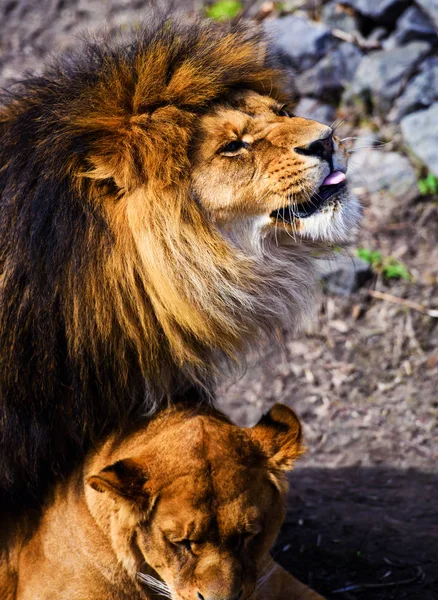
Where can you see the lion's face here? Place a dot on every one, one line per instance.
(255, 162)
(198, 502)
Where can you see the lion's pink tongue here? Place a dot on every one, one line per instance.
(334, 178)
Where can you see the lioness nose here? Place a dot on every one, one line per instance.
(322, 148)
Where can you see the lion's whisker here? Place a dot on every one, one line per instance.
(309, 197)
(264, 195)
(337, 123)
(354, 168)
(354, 137)
(353, 150)
(292, 233)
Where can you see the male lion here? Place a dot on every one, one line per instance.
(188, 497)
(159, 206)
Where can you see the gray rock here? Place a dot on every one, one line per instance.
(335, 16)
(414, 25)
(430, 7)
(328, 77)
(344, 275)
(310, 108)
(382, 75)
(421, 91)
(378, 35)
(384, 11)
(420, 132)
(301, 42)
(387, 179)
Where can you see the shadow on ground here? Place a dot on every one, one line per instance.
(368, 526)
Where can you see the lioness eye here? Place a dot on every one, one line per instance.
(233, 147)
(284, 112)
(244, 538)
(187, 544)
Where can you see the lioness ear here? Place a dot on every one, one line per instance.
(278, 434)
(121, 480)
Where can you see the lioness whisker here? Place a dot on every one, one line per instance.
(265, 568)
(155, 584)
(262, 580)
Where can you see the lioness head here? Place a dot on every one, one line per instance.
(195, 500)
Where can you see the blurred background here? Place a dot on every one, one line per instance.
(363, 377)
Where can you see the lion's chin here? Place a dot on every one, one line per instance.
(335, 221)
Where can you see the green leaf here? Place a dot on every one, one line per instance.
(389, 267)
(372, 257)
(428, 185)
(395, 270)
(223, 9)
(422, 187)
(364, 254)
(432, 183)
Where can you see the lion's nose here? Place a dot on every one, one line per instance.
(322, 148)
(237, 596)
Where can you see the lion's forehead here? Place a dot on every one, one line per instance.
(253, 118)
(250, 113)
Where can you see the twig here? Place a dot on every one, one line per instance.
(409, 303)
(419, 575)
(357, 39)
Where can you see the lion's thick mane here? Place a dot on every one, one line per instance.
(116, 292)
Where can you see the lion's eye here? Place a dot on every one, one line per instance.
(233, 147)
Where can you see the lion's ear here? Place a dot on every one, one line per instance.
(278, 433)
(122, 480)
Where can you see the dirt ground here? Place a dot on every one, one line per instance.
(362, 519)
(363, 379)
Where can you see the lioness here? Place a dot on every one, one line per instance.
(187, 507)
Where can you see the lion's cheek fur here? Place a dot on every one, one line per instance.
(174, 264)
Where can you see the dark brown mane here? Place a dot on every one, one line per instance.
(102, 247)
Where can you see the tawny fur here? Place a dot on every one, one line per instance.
(188, 504)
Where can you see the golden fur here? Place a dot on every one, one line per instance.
(188, 505)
